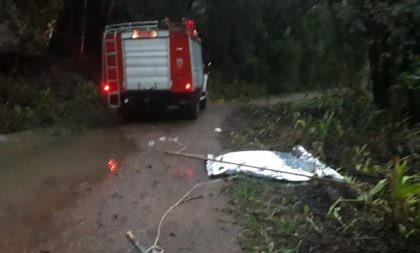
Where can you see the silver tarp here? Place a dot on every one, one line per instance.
(298, 165)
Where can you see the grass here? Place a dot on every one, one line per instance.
(261, 217)
(378, 210)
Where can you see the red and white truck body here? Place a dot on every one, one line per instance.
(152, 63)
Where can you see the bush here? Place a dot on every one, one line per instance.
(380, 201)
(55, 98)
(235, 92)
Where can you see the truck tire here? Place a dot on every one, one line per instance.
(203, 104)
(193, 109)
(127, 114)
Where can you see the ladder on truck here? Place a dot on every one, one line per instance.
(114, 95)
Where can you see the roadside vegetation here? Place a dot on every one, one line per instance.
(367, 51)
(377, 210)
(55, 97)
(255, 47)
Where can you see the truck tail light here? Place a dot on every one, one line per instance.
(106, 87)
(188, 86)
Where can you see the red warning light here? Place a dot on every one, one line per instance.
(137, 34)
(112, 165)
(190, 22)
(188, 86)
(106, 87)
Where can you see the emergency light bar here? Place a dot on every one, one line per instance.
(137, 34)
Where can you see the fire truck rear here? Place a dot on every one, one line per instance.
(154, 65)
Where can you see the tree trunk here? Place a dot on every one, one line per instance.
(382, 70)
(83, 28)
(66, 38)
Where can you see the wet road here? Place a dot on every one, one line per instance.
(66, 195)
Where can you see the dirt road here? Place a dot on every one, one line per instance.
(133, 195)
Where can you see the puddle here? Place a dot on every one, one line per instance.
(42, 173)
(31, 164)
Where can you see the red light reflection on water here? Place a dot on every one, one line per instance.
(184, 172)
(189, 172)
(112, 165)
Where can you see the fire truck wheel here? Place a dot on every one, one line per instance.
(203, 104)
(193, 109)
(129, 114)
(126, 114)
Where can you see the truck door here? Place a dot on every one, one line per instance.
(146, 63)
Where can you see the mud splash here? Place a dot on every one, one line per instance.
(41, 174)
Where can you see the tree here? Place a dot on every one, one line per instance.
(26, 26)
(393, 37)
(80, 24)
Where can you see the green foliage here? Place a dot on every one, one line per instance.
(257, 44)
(323, 128)
(245, 190)
(404, 198)
(397, 198)
(29, 103)
(234, 92)
(347, 131)
(262, 222)
(411, 77)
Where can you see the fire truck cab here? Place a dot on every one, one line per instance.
(154, 64)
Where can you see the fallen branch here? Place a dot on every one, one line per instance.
(204, 158)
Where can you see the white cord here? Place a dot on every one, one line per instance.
(155, 248)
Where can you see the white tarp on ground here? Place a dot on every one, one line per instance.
(300, 164)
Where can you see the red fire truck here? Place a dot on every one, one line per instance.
(154, 65)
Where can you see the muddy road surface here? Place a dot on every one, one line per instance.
(82, 193)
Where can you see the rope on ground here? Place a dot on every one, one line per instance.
(155, 248)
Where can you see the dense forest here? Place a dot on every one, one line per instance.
(270, 46)
(255, 47)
